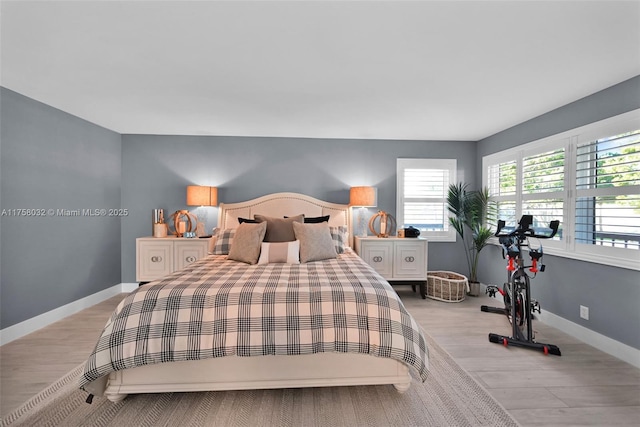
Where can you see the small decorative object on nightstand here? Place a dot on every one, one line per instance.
(183, 221)
(386, 223)
(159, 227)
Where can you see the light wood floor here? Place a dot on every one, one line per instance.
(582, 387)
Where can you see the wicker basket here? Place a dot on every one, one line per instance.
(446, 286)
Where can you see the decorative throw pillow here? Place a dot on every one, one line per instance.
(246, 242)
(316, 243)
(223, 241)
(250, 221)
(340, 236)
(315, 219)
(279, 229)
(286, 252)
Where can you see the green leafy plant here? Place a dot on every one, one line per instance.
(470, 209)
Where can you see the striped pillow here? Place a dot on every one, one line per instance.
(286, 252)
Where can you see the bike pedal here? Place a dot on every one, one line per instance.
(535, 306)
(492, 290)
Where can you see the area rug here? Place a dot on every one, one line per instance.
(449, 397)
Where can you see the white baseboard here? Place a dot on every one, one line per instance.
(31, 325)
(608, 345)
(129, 287)
(615, 348)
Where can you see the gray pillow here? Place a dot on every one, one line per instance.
(247, 242)
(279, 229)
(316, 243)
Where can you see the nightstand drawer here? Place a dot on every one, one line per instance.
(157, 257)
(410, 260)
(187, 252)
(379, 256)
(154, 260)
(402, 260)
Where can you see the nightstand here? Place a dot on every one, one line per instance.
(158, 256)
(396, 259)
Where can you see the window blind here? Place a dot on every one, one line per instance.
(421, 196)
(608, 186)
(425, 192)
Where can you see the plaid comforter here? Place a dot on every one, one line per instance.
(218, 308)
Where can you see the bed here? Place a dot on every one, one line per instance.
(222, 324)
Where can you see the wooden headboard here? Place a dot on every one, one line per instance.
(285, 204)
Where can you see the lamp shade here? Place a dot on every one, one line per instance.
(198, 195)
(213, 196)
(363, 196)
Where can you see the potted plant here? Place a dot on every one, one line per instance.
(469, 211)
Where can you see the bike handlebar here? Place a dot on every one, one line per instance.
(524, 229)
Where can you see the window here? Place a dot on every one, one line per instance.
(502, 189)
(607, 208)
(588, 178)
(422, 187)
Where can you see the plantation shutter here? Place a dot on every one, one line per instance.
(425, 192)
(422, 196)
(543, 187)
(608, 191)
(502, 184)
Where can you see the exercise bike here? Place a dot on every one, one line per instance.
(516, 292)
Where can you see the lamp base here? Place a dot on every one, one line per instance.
(362, 224)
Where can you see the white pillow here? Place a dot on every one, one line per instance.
(285, 252)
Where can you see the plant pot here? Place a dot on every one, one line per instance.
(474, 289)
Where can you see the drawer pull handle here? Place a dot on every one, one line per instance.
(377, 259)
(156, 259)
(409, 259)
(191, 259)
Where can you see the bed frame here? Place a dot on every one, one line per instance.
(285, 204)
(244, 373)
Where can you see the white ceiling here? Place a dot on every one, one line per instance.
(431, 70)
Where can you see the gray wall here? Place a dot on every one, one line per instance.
(52, 160)
(157, 169)
(612, 294)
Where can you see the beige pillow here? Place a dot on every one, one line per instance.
(285, 252)
(246, 242)
(279, 229)
(316, 243)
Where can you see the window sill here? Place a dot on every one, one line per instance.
(630, 264)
